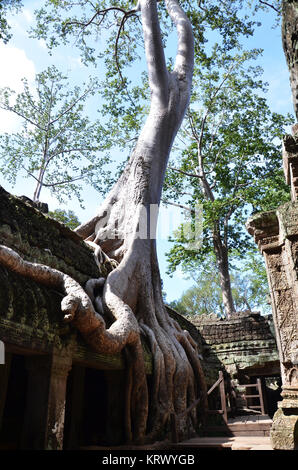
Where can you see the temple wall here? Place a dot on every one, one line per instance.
(276, 234)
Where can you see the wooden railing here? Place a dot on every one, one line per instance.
(223, 411)
(258, 395)
(220, 382)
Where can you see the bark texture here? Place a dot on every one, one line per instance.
(132, 292)
(290, 45)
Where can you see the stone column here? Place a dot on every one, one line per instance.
(46, 395)
(276, 233)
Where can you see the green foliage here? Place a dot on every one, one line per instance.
(117, 26)
(231, 139)
(57, 145)
(205, 296)
(230, 161)
(67, 218)
(7, 6)
(249, 287)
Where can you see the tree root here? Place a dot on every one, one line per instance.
(177, 373)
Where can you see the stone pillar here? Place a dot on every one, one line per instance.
(276, 233)
(45, 408)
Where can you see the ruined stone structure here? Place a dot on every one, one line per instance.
(243, 345)
(276, 233)
(55, 392)
(244, 348)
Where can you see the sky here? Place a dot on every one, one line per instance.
(24, 57)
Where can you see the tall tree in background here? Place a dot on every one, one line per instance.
(249, 287)
(57, 147)
(229, 162)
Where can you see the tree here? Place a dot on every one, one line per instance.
(5, 7)
(229, 162)
(132, 291)
(204, 297)
(67, 218)
(248, 284)
(57, 146)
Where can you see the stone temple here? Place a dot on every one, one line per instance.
(56, 393)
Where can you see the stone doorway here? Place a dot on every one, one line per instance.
(94, 411)
(13, 396)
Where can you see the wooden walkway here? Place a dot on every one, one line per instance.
(257, 425)
(250, 432)
(232, 443)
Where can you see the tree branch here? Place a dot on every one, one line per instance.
(185, 55)
(156, 62)
(270, 6)
(191, 175)
(181, 206)
(9, 108)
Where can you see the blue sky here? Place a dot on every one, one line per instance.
(24, 56)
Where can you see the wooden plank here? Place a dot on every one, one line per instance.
(214, 386)
(261, 396)
(223, 396)
(248, 427)
(252, 396)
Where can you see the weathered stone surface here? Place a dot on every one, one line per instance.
(41, 239)
(279, 244)
(243, 344)
(30, 313)
(284, 431)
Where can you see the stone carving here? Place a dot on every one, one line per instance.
(276, 233)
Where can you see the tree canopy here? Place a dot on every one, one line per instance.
(58, 147)
(7, 6)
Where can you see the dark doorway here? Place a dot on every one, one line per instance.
(272, 392)
(15, 402)
(94, 412)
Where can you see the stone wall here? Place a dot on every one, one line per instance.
(39, 346)
(243, 344)
(276, 234)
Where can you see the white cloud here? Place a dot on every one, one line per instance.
(15, 66)
(28, 15)
(42, 43)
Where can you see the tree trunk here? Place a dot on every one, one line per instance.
(132, 292)
(290, 45)
(222, 261)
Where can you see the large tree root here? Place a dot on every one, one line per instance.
(78, 308)
(177, 375)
